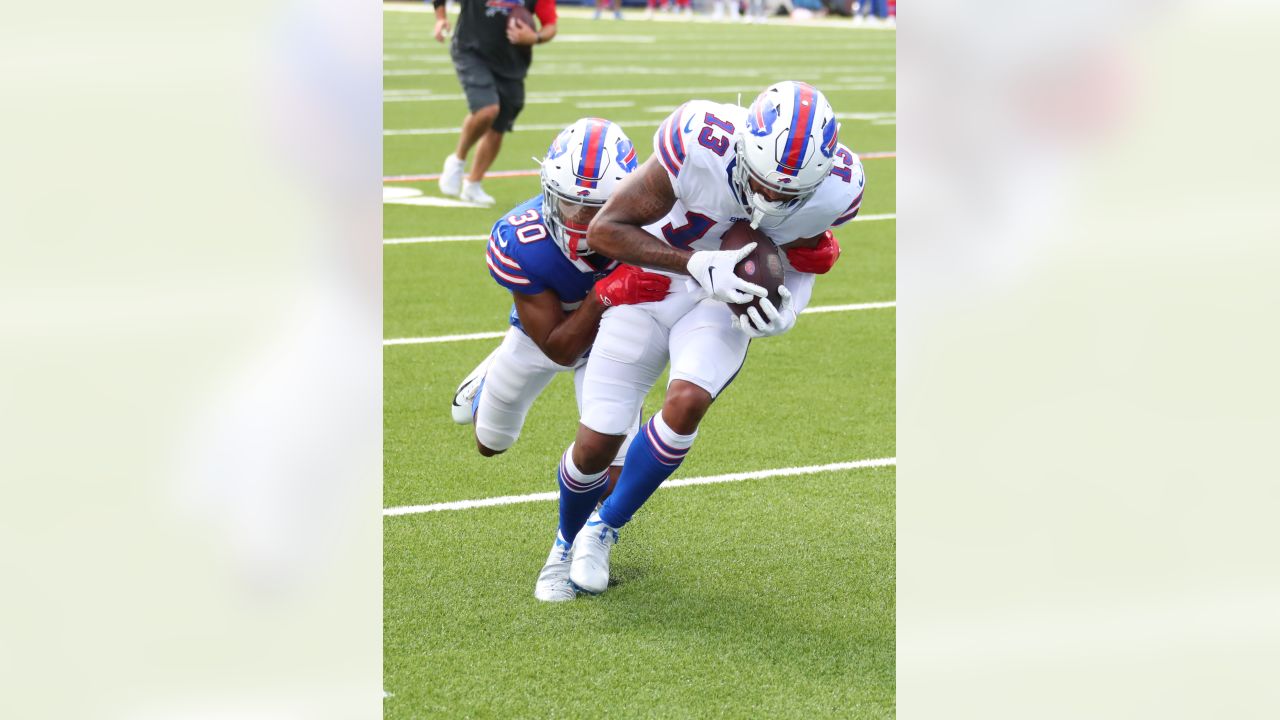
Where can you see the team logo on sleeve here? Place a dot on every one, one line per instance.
(627, 155)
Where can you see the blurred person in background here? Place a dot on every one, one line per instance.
(491, 51)
(755, 11)
(616, 5)
(865, 7)
(723, 8)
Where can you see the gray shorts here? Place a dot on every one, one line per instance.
(483, 88)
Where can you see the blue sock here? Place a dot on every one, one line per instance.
(579, 493)
(655, 453)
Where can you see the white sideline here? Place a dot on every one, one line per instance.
(463, 238)
(494, 335)
(444, 338)
(705, 480)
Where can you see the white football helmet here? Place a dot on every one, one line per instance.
(583, 167)
(786, 147)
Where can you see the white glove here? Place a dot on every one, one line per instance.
(775, 320)
(713, 269)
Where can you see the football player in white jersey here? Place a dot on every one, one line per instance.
(778, 164)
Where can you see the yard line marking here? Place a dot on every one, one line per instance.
(844, 308)
(639, 39)
(493, 335)
(434, 239)
(429, 201)
(427, 96)
(650, 122)
(874, 118)
(892, 154)
(607, 104)
(445, 338)
(463, 238)
(684, 482)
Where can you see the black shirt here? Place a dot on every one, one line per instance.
(482, 29)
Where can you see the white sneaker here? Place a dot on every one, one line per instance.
(590, 568)
(464, 397)
(451, 176)
(553, 582)
(473, 193)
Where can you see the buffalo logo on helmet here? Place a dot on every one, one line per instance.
(829, 138)
(560, 145)
(761, 117)
(626, 155)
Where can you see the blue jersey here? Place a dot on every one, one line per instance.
(523, 258)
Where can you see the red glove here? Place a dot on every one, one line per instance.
(816, 260)
(628, 285)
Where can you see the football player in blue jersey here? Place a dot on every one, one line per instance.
(561, 289)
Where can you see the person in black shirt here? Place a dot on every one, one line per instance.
(491, 53)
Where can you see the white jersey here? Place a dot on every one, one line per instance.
(695, 145)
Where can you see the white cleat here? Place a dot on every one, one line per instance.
(464, 397)
(553, 582)
(451, 176)
(590, 568)
(473, 193)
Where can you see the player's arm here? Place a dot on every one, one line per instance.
(563, 337)
(645, 197)
(617, 231)
(442, 19)
(817, 254)
(520, 34)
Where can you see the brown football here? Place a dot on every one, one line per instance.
(762, 267)
(519, 12)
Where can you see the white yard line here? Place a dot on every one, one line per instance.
(845, 308)
(464, 238)
(434, 239)
(445, 338)
(427, 96)
(645, 122)
(874, 118)
(684, 482)
(494, 335)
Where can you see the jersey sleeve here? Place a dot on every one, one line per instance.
(505, 267)
(546, 12)
(848, 170)
(669, 144)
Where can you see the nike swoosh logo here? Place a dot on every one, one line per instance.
(689, 125)
(710, 279)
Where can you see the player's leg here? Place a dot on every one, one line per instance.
(480, 87)
(629, 354)
(615, 468)
(706, 355)
(627, 358)
(511, 97)
(518, 373)
(465, 397)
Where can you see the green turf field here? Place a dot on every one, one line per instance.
(763, 598)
